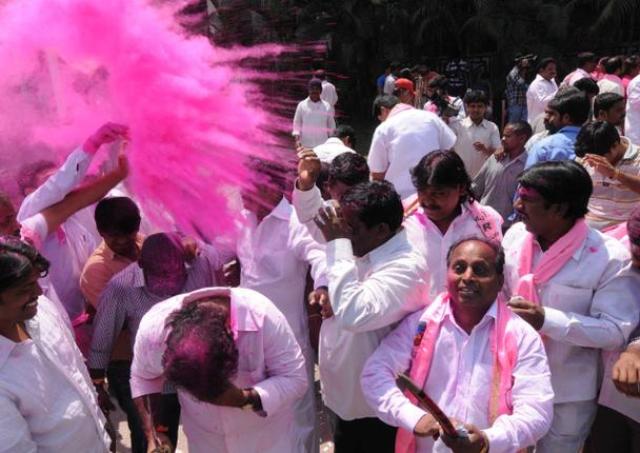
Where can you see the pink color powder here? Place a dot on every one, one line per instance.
(193, 112)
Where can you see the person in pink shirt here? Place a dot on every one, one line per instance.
(630, 69)
(484, 366)
(237, 367)
(587, 62)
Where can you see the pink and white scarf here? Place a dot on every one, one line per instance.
(503, 347)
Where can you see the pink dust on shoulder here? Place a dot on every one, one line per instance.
(195, 112)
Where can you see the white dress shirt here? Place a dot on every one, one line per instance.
(389, 84)
(69, 247)
(329, 93)
(47, 401)
(429, 241)
(460, 376)
(468, 133)
(369, 295)
(539, 93)
(313, 122)
(270, 361)
(331, 149)
(402, 140)
(632, 119)
(589, 305)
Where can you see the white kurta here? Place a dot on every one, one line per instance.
(539, 93)
(313, 122)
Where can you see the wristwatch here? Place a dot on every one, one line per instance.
(253, 402)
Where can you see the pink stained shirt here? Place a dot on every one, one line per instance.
(270, 361)
(460, 376)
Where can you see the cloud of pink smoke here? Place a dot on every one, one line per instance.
(70, 65)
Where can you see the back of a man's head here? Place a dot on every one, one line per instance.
(604, 102)
(574, 103)
(586, 58)
(613, 65)
(597, 137)
(387, 101)
(588, 86)
(349, 169)
(117, 216)
(345, 131)
(375, 202)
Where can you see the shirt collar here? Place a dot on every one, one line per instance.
(539, 77)
(469, 122)
(334, 141)
(632, 150)
(282, 210)
(491, 314)
(569, 130)
(382, 252)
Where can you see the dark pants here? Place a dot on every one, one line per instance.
(364, 435)
(118, 374)
(613, 432)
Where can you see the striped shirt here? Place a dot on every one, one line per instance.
(612, 202)
(125, 300)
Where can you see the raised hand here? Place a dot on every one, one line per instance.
(107, 133)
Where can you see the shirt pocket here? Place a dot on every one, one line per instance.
(568, 298)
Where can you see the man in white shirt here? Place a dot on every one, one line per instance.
(236, 365)
(343, 140)
(571, 284)
(375, 280)
(390, 81)
(313, 121)
(542, 89)
(275, 252)
(587, 62)
(445, 213)
(404, 136)
(47, 399)
(448, 350)
(477, 138)
(632, 119)
(70, 245)
(611, 81)
(329, 93)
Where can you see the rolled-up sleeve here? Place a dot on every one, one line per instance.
(532, 398)
(378, 377)
(284, 364)
(146, 368)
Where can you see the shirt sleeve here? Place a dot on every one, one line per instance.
(297, 121)
(478, 184)
(495, 137)
(34, 230)
(534, 156)
(284, 364)
(613, 314)
(378, 378)
(15, 435)
(107, 325)
(378, 158)
(447, 137)
(532, 399)
(146, 368)
(63, 181)
(633, 96)
(379, 300)
(309, 250)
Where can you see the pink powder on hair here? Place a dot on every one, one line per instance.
(194, 112)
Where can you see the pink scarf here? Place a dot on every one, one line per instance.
(551, 262)
(503, 347)
(485, 222)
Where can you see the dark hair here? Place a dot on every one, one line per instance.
(387, 101)
(495, 246)
(596, 138)
(605, 101)
(612, 64)
(314, 83)
(18, 260)
(117, 216)
(631, 63)
(376, 202)
(440, 82)
(28, 172)
(394, 65)
(521, 128)
(348, 168)
(444, 169)
(473, 96)
(319, 74)
(201, 355)
(546, 62)
(572, 102)
(560, 182)
(405, 73)
(587, 85)
(586, 57)
(344, 130)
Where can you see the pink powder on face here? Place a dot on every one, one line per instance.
(194, 112)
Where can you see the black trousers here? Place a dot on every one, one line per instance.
(613, 432)
(364, 435)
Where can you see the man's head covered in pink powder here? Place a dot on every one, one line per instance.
(162, 259)
(201, 355)
(269, 183)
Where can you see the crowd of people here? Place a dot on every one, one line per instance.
(496, 271)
